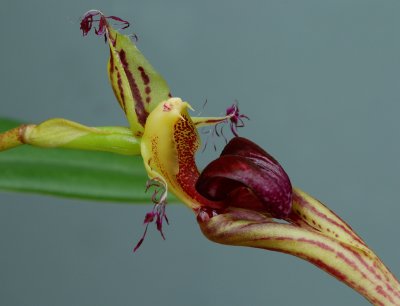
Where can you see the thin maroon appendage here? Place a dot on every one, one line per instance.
(88, 20)
(158, 212)
(235, 121)
(236, 118)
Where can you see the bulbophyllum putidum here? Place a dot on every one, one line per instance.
(243, 198)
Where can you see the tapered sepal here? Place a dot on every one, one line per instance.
(138, 87)
(350, 265)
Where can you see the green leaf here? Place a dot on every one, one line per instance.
(72, 173)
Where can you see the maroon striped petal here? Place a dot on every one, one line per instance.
(248, 177)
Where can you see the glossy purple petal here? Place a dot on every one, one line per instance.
(246, 176)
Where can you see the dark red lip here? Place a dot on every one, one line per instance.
(246, 176)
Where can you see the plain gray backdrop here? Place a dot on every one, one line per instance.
(320, 82)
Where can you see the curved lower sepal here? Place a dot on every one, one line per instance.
(365, 274)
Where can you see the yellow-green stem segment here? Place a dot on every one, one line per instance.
(62, 133)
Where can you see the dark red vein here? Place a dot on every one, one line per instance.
(140, 110)
(121, 92)
(345, 228)
(145, 77)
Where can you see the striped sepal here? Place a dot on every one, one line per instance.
(138, 87)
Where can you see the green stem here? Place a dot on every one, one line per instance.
(62, 133)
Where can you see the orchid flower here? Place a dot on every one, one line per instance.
(243, 198)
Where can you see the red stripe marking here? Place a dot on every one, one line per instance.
(145, 77)
(111, 63)
(383, 293)
(317, 243)
(120, 95)
(374, 272)
(140, 110)
(353, 264)
(121, 92)
(318, 262)
(321, 245)
(346, 228)
(365, 264)
(331, 270)
(347, 260)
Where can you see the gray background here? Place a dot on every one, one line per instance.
(320, 81)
